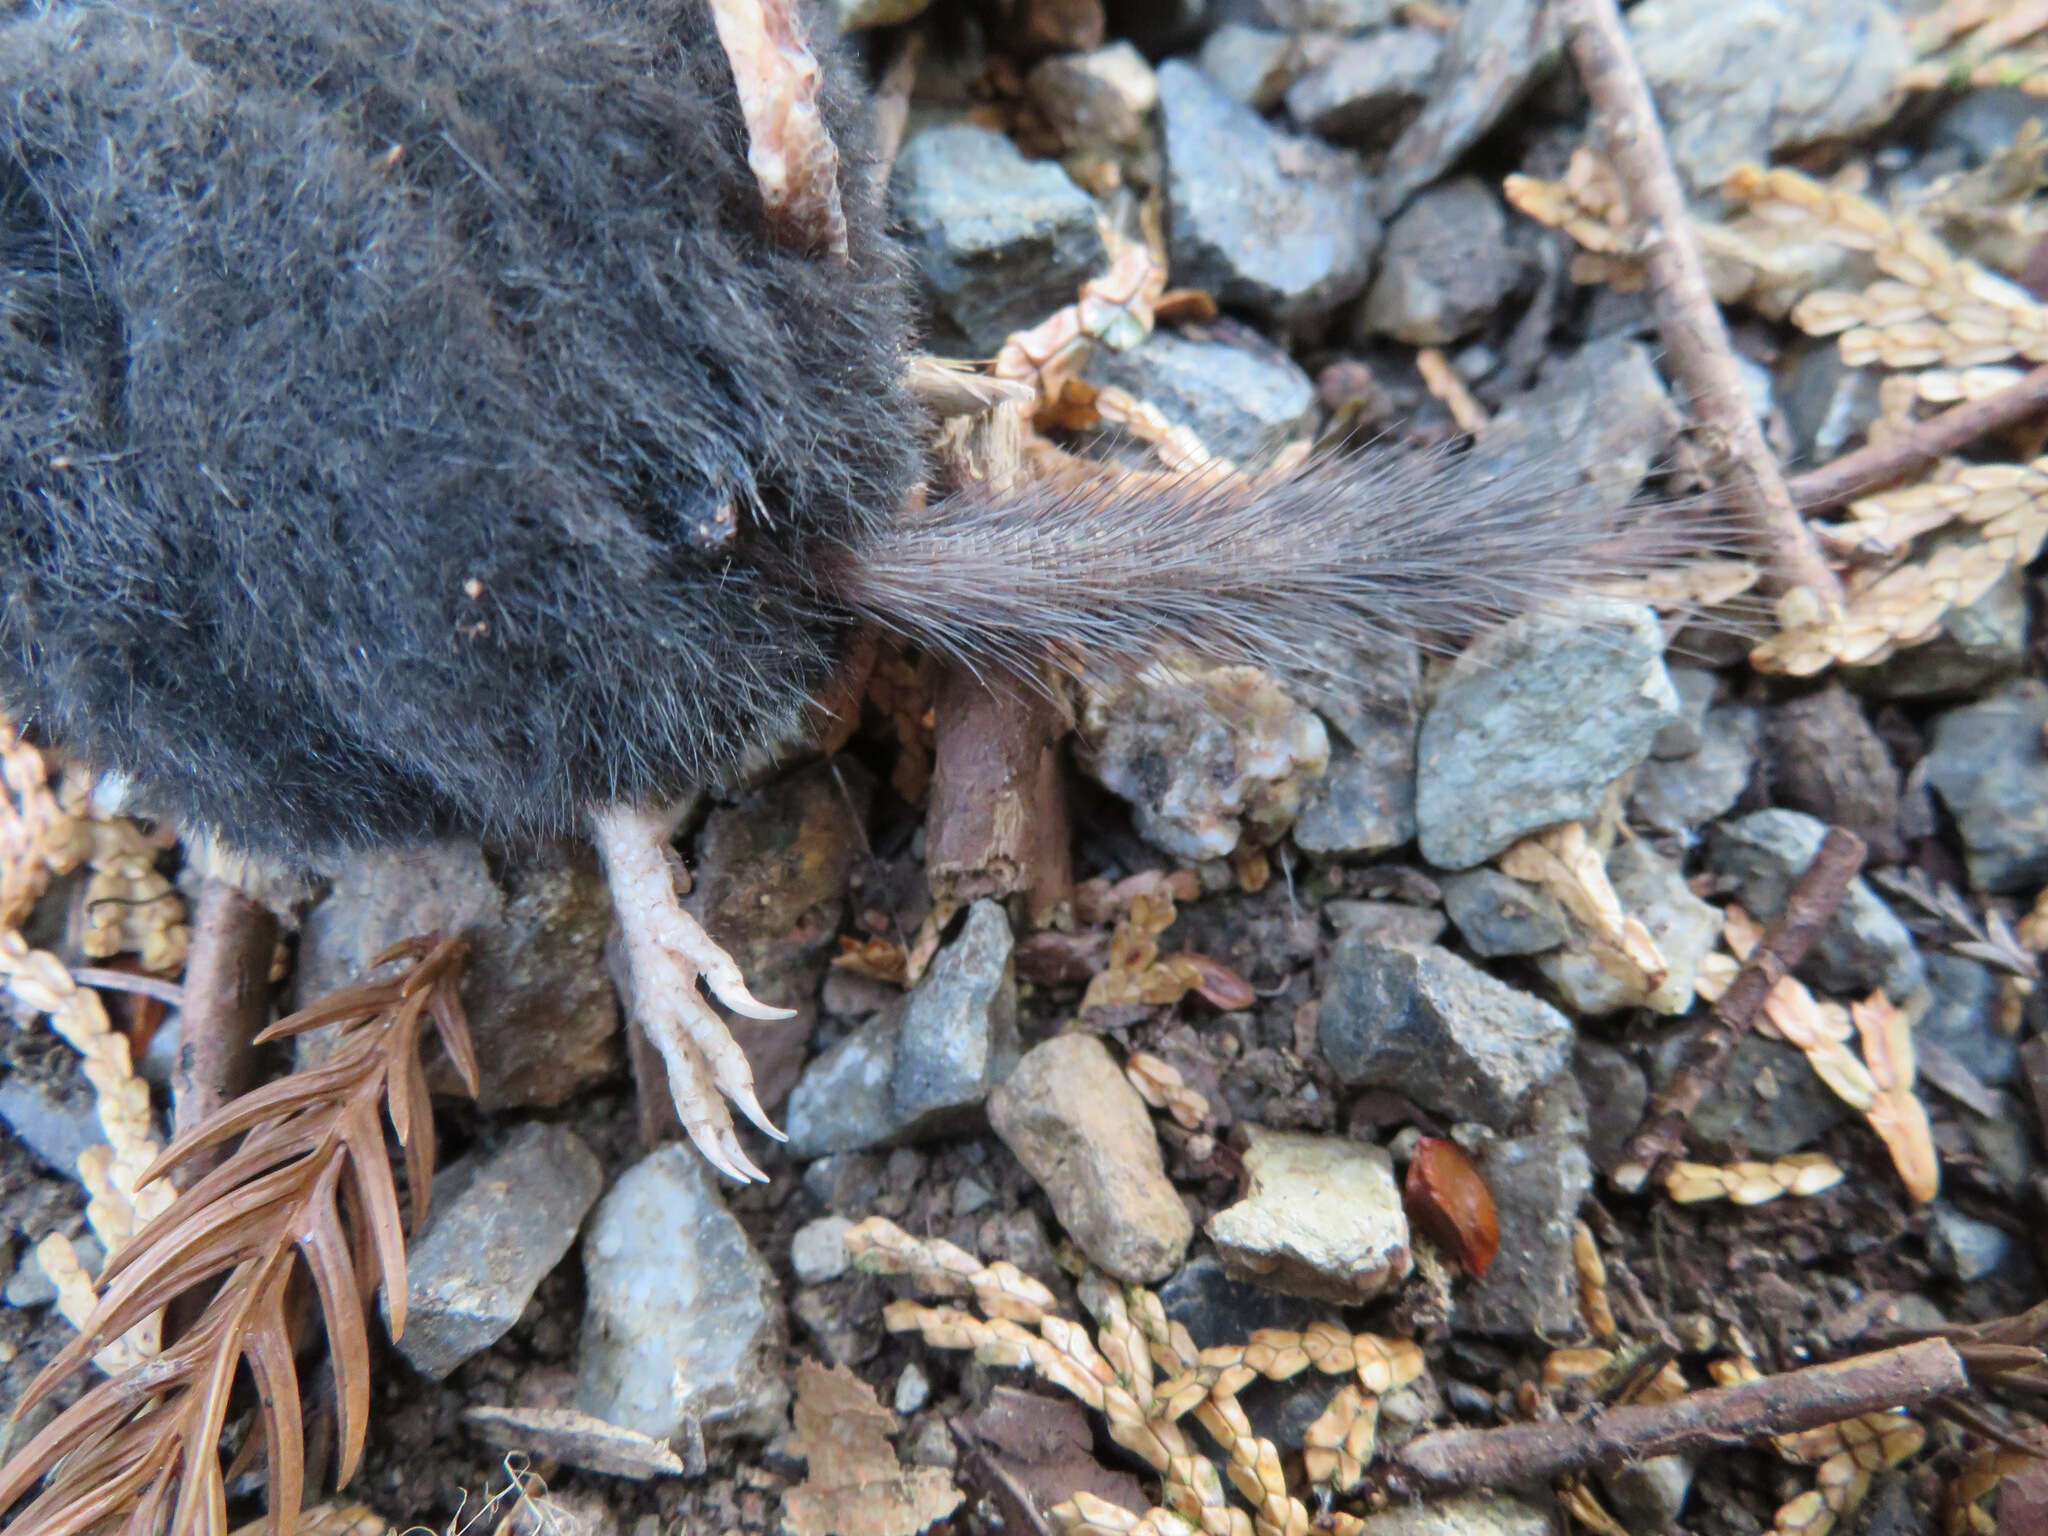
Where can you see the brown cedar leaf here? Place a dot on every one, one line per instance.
(856, 1487)
(310, 1180)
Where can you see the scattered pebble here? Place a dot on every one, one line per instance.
(1534, 722)
(1217, 1310)
(1386, 922)
(1769, 1101)
(1696, 688)
(1965, 1248)
(1532, 1287)
(1603, 411)
(1208, 757)
(1827, 760)
(818, 1250)
(1254, 65)
(1080, 1129)
(1320, 1217)
(1962, 1018)
(499, 1223)
(1678, 794)
(562, 1434)
(1099, 101)
(1368, 89)
(1490, 58)
(1978, 644)
(1002, 241)
(1423, 1022)
(1267, 222)
(1987, 765)
(1365, 800)
(1499, 915)
(1648, 1496)
(1616, 1092)
(913, 1391)
(924, 1067)
(1446, 267)
(681, 1319)
(1246, 403)
(539, 998)
(1864, 945)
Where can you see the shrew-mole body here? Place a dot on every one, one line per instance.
(407, 422)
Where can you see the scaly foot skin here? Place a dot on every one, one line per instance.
(667, 952)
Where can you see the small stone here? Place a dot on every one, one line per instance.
(1080, 1129)
(1685, 930)
(1420, 1021)
(818, 1250)
(1768, 1103)
(562, 1434)
(1320, 1217)
(1616, 1094)
(30, 1286)
(1965, 1248)
(541, 1007)
(1827, 760)
(923, 1068)
(1252, 64)
(1365, 801)
(1740, 81)
(971, 1195)
(1386, 922)
(1534, 722)
(1002, 241)
(1267, 222)
(1538, 1183)
(1207, 757)
(913, 1390)
(499, 1223)
(1978, 644)
(46, 1102)
(1369, 89)
(1246, 403)
(1097, 102)
(1696, 687)
(1499, 915)
(1828, 404)
(681, 1318)
(1217, 1310)
(1988, 765)
(1864, 944)
(1446, 265)
(1963, 1018)
(1492, 55)
(1678, 794)
(1330, 15)
(1464, 1514)
(1648, 1496)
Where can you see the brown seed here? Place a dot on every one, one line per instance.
(1450, 1202)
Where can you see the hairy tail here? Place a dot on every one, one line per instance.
(1351, 550)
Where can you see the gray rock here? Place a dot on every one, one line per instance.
(924, 1067)
(1253, 64)
(1616, 1093)
(499, 1223)
(1741, 80)
(1386, 922)
(1080, 1129)
(913, 1389)
(1864, 944)
(1217, 1310)
(1532, 1286)
(1685, 929)
(1601, 414)
(1983, 123)
(1099, 101)
(1244, 404)
(1648, 1496)
(1828, 405)
(1684, 736)
(562, 1434)
(1330, 15)
(55, 1117)
(1320, 1217)
(1369, 89)
(1675, 795)
(1965, 1248)
(682, 1320)
(1002, 241)
(1978, 644)
(1205, 756)
(1769, 1101)
(1465, 1514)
(1365, 801)
(1493, 53)
(542, 1010)
(1963, 1018)
(1499, 915)
(31, 1286)
(1421, 1021)
(1445, 268)
(1989, 767)
(1532, 725)
(1827, 760)
(818, 1250)
(1278, 225)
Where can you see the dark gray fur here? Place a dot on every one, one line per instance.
(370, 370)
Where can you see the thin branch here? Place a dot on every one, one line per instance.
(1695, 337)
(1920, 445)
(1718, 1417)
(139, 983)
(1812, 902)
(226, 998)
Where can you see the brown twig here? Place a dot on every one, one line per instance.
(1812, 902)
(1878, 464)
(226, 998)
(892, 108)
(1718, 1417)
(1695, 337)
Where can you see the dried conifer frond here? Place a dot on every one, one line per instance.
(310, 1182)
